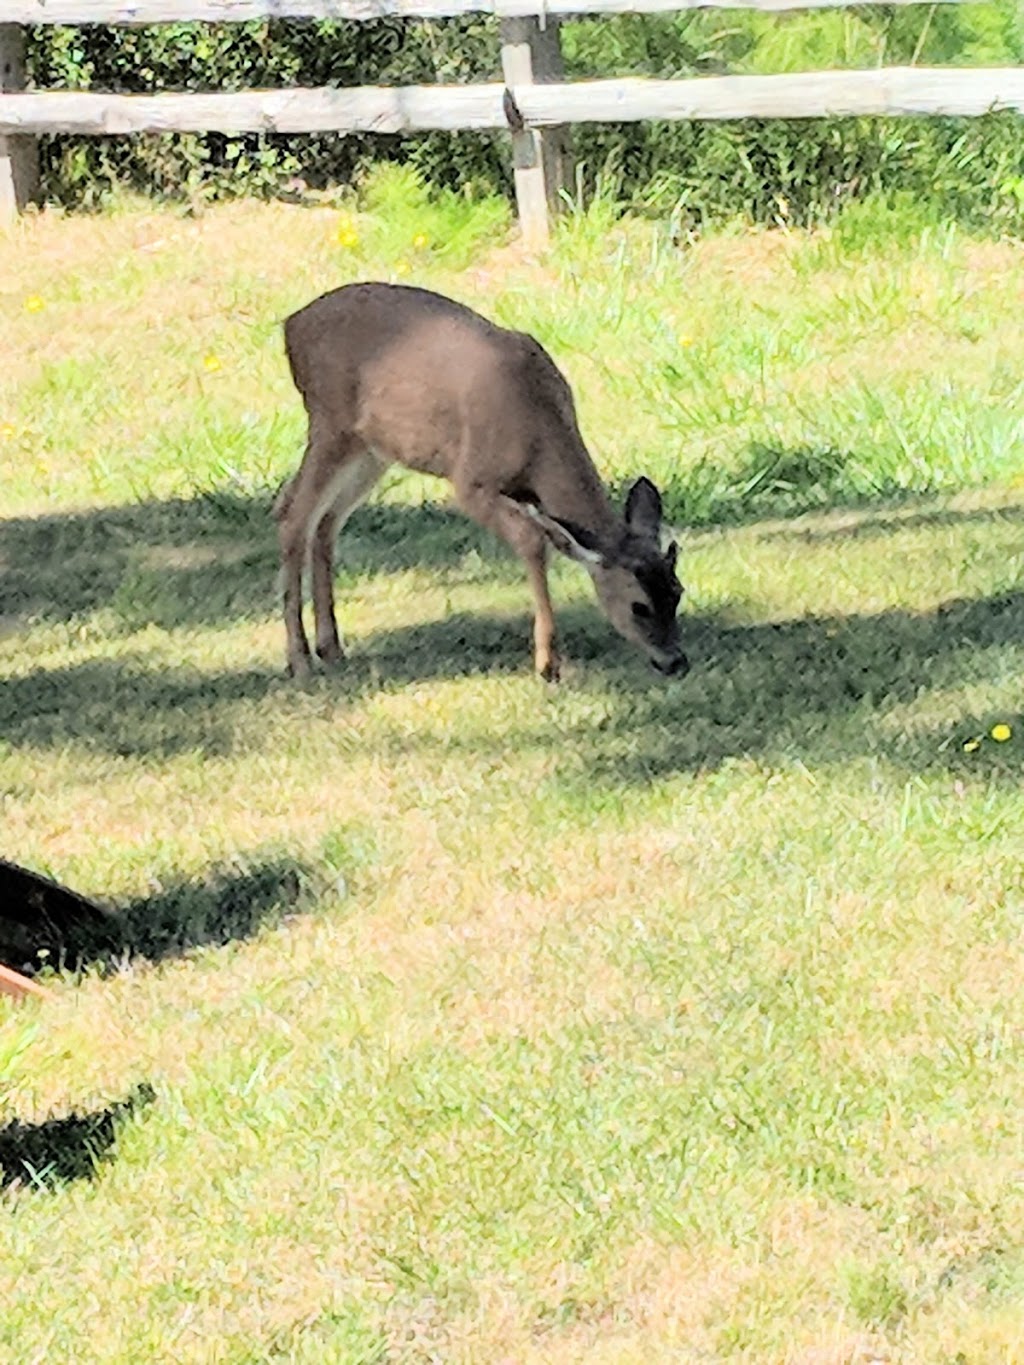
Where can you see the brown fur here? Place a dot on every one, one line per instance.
(391, 374)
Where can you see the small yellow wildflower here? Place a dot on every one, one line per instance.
(211, 363)
(34, 304)
(420, 241)
(970, 745)
(1001, 733)
(402, 267)
(8, 431)
(686, 342)
(347, 237)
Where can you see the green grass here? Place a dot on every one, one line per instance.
(449, 1017)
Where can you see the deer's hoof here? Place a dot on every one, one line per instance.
(550, 669)
(331, 653)
(300, 667)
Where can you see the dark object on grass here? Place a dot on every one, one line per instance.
(41, 920)
(43, 923)
(69, 1148)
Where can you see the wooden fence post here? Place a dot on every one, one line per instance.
(19, 156)
(532, 53)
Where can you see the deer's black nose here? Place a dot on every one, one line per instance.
(676, 667)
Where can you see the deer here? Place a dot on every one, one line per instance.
(395, 374)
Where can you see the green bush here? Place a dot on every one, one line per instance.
(792, 171)
(83, 172)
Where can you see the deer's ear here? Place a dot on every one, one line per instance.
(576, 542)
(671, 555)
(643, 509)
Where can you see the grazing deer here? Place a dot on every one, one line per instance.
(392, 374)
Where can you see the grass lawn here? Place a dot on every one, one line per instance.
(462, 1019)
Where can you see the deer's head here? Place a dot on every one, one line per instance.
(635, 579)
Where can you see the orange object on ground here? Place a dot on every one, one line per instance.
(13, 983)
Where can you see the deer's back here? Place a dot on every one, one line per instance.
(427, 382)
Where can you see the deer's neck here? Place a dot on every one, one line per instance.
(571, 489)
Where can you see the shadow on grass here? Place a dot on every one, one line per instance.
(129, 707)
(58, 1150)
(815, 688)
(200, 561)
(892, 521)
(753, 687)
(214, 558)
(225, 907)
(768, 481)
(228, 905)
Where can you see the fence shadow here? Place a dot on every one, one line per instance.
(893, 520)
(75, 1147)
(201, 561)
(752, 685)
(214, 558)
(768, 482)
(126, 706)
(813, 687)
(796, 685)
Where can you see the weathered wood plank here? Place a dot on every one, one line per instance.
(376, 109)
(216, 11)
(531, 53)
(363, 109)
(19, 156)
(815, 94)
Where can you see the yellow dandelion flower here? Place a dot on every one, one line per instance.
(8, 431)
(1000, 733)
(347, 237)
(686, 342)
(420, 241)
(211, 363)
(402, 267)
(970, 745)
(34, 304)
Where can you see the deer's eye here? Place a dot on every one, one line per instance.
(642, 611)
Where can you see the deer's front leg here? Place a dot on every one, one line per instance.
(546, 660)
(506, 518)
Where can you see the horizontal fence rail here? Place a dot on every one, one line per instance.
(236, 11)
(387, 109)
(533, 102)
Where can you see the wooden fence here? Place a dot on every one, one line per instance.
(532, 101)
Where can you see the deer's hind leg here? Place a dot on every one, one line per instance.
(355, 479)
(334, 476)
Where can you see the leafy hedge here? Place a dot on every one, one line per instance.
(971, 170)
(273, 53)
